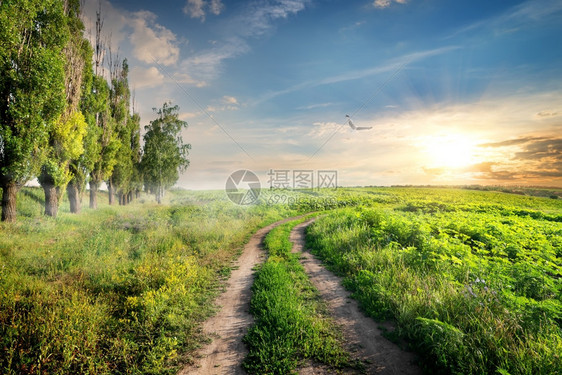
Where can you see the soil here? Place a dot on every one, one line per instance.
(363, 337)
(226, 351)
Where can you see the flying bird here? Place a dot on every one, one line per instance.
(352, 125)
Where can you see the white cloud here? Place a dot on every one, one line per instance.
(381, 3)
(353, 26)
(149, 39)
(394, 65)
(314, 106)
(216, 7)
(227, 103)
(187, 115)
(113, 21)
(199, 8)
(534, 10)
(207, 65)
(144, 78)
(230, 100)
(260, 15)
(152, 41)
(518, 17)
(322, 129)
(194, 8)
(386, 3)
(255, 19)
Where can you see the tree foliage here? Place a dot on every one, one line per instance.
(66, 137)
(95, 105)
(165, 154)
(80, 63)
(32, 97)
(64, 122)
(127, 130)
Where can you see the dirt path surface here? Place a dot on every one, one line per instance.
(226, 352)
(364, 338)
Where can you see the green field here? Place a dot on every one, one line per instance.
(117, 290)
(472, 279)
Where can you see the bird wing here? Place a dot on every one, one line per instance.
(351, 123)
(363, 127)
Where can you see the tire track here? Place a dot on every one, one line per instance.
(363, 337)
(224, 355)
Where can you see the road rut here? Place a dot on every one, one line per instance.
(363, 337)
(226, 352)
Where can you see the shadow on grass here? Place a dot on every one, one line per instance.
(32, 194)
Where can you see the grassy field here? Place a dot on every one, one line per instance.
(471, 278)
(119, 289)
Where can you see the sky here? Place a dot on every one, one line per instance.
(456, 92)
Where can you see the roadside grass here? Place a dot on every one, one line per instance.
(473, 279)
(121, 289)
(291, 322)
(474, 284)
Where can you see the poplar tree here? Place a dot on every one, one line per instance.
(33, 34)
(126, 174)
(165, 154)
(137, 178)
(95, 106)
(120, 97)
(66, 137)
(81, 166)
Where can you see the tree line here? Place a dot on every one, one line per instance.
(67, 121)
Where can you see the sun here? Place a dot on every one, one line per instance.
(450, 151)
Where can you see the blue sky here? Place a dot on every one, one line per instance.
(456, 92)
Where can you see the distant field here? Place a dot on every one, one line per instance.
(473, 279)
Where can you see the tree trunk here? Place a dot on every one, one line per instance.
(93, 194)
(120, 197)
(137, 193)
(9, 194)
(51, 200)
(130, 197)
(110, 191)
(73, 197)
(159, 195)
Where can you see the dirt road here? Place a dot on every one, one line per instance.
(227, 351)
(363, 337)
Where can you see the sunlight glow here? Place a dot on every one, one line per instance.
(450, 152)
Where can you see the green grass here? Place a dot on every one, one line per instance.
(291, 324)
(118, 290)
(473, 279)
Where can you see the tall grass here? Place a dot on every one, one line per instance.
(291, 324)
(473, 279)
(475, 291)
(118, 290)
